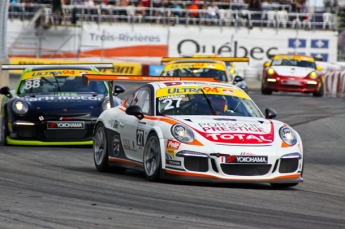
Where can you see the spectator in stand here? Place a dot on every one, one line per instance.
(175, 9)
(57, 9)
(162, 11)
(203, 13)
(212, 13)
(256, 7)
(122, 12)
(237, 4)
(105, 10)
(141, 9)
(193, 10)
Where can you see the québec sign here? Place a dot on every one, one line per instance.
(234, 50)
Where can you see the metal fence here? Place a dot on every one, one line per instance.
(279, 18)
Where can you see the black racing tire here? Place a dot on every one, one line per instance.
(152, 158)
(100, 149)
(320, 92)
(265, 91)
(283, 185)
(4, 131)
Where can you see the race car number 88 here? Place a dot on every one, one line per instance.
(32, 83)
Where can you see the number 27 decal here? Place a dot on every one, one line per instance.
(140, 137)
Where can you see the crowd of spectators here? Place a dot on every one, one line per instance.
(206, 11)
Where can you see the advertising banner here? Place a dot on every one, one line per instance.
(119, 68)
(257, 44)
(87, 41)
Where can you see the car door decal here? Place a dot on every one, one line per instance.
(140, 137)
(116, 145)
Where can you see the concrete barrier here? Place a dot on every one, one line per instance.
(335, 82)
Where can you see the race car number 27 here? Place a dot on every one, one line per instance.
(170, 102)
(140, 137)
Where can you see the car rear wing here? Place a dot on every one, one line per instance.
(224, 59)
(26, 66)
(86, 78)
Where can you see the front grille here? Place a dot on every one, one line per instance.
(288, 165)
(197, 164)
(65, 134)
(291, 86)
(310, 86)
(245, 170)
(26, 131)
(271, 84)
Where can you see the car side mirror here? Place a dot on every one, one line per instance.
(267, 64)
(118, 89)
(318, 67)
(270, 113)
(6, 91)
(136, 111)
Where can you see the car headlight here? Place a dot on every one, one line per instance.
(232, 71)
(182, 133)
(20, 107)
(105, 104)
(287, 135)
(313, 75)
(270, 71)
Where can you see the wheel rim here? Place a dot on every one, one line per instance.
(151, 156)
(99, 145)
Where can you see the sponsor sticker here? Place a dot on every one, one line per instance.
(58, 125)
(172, 144)
(173, 162)
(244, 159)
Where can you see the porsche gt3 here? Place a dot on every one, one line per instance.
(292, 73)
(187, 129)
(50, 106)
(204, 66)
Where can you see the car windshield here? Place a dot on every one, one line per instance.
(293, 63)
(196, 72)
(59, 83)
(205, 101)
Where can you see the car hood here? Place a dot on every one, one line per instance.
(232, 130)
(57, 103)
(292, 71)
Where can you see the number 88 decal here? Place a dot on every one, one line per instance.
(32, 83)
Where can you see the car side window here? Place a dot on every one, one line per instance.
(143, 100)
(130, 99)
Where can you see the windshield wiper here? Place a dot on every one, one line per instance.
(209, 103)
(57, 82)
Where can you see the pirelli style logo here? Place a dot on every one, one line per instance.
(65, 125)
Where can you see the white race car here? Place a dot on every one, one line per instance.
(198, 131)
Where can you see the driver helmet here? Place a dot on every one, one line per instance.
(219, 103)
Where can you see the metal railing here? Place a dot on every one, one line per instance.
(240, 17)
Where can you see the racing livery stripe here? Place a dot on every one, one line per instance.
(11, 141)
(171, 121)
(193, 174)
(124, 161)
(284, 145)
